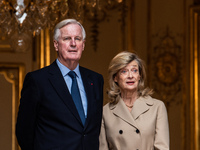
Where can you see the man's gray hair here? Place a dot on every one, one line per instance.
(64, 23)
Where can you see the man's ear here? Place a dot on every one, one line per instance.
(83, 45)
(55, 43)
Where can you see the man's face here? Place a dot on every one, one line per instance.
(70, 44)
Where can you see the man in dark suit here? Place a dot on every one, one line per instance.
(48, 117)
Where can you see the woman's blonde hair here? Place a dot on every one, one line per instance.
(120, 61)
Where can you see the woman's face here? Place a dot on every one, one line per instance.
(128, 77)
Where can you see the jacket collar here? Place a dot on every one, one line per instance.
(58, 83)
(60, 86)
(89, 90)
(141, 105)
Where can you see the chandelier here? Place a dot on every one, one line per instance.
(22, 19)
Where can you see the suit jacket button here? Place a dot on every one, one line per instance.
(120, 131)
(137, 131)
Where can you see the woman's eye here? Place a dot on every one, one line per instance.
(123, 71)
(135, 70)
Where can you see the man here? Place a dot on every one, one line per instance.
(48, 118)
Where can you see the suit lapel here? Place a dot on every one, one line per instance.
(60, 87)
(122, 112)
(88, 85)
(140, 106)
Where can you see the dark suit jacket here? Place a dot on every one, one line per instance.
(48, 118)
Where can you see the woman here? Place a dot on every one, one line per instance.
(132, 120)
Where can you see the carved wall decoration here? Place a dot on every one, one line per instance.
(13, 74)
(167, 63)
(167, 69)
(99, 14)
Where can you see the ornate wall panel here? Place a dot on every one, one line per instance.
(166, 65)
(11, 78)
(195, 76)
(167, 81)
(166, 68)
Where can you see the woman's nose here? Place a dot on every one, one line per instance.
(130, 74)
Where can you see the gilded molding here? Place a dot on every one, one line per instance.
(194, 76)
(43, 48)
(14, 74)
(4, 45)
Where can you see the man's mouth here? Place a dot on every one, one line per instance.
(72, 51)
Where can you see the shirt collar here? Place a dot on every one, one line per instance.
(64, 70)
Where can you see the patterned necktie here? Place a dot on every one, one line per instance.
(76, 96)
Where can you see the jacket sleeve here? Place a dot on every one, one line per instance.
(26, 120)
(162, 129)
(103, 145)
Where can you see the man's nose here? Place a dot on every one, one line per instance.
(73, 42)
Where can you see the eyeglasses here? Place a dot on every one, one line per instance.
(125, 72)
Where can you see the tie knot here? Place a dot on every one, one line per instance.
(72, 74)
